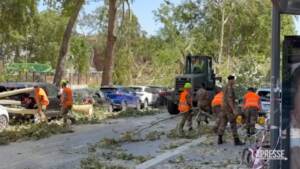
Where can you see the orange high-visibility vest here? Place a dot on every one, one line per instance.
(251, 99)
(217, 100)
(183, 106)
(41, 97)
(68, 97)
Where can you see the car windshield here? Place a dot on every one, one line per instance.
(136, 89)
(198, 66)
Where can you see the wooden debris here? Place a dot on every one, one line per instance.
(86, 109)
(16, 92)
(21, 111)
(10, 102)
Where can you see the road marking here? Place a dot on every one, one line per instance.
(169, 154)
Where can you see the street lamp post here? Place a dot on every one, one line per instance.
(291, 7)
(275, 80)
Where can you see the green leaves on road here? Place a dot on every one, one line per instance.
(31, 132)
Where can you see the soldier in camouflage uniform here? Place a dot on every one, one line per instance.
(229, 112)
(184, 107)
(203, 100)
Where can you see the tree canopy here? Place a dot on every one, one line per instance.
(236, 33)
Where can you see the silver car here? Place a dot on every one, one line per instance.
(4, 118)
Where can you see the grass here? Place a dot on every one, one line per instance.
(128, 157)
(111, 150)
(109, 143)
(98, 117)
(129, 137)
(154, 135)
(136, 113)
(100, 114)
(94, 163)
(178, 159)
(32, 132)
(170, 146)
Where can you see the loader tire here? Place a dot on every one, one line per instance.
(172, 108)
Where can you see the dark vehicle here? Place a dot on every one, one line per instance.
(90, 96)
(27, 99)
(198, 70)
(121, 98)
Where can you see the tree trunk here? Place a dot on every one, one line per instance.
(98, 58)
(65, 43)
(110, 43)
(222, 34)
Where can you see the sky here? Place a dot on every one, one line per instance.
(143, 9)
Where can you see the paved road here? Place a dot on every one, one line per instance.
(65, 151)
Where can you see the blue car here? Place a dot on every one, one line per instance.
(121, 98)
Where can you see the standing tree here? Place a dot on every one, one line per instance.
(72, 8)
(107, 78)
(110, 43)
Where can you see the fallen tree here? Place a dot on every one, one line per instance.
(21, 111)
(10, 102)
(16, 92)
(85, 109)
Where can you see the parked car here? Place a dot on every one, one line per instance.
(147, 95)
(160, 93)
(27, 99)
(265, 97)
(84, 96)
(4, 118)
(90, 96)
(121, 98)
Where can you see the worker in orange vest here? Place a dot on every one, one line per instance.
(42, 102)
(251, 106)
(216, 107)
(66, 101)
(184, 107)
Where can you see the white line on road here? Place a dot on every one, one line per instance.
(167, 155)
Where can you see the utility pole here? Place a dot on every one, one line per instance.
(275, 84)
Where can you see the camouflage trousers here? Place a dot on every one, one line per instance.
(203, 114)
(251, 118)
(65, 112)
(217, 114)
(225, 117)
(187, 116)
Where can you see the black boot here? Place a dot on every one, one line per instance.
(238, 142)
(220, 139)
(248, 133)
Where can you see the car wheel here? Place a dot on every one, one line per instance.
(172, 108)
(110, 108)
(124, 106)
(138, 105)
(3, 122)
(146, 104)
